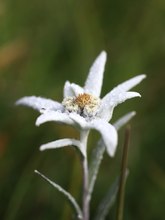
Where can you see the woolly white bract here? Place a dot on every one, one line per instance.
(83, 108)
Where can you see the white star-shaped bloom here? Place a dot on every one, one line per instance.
(83, 108)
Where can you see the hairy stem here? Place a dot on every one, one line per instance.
(85, 190)
(85, 202)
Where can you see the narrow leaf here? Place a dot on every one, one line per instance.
(67, 195)
(97, 156)
(109, 199)
(124, 120)
(63, 143)
(98, 152)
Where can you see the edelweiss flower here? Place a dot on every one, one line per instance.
(83, 108)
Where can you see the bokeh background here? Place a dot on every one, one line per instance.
(43, 44)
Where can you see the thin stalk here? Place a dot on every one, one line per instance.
(85, 190)
(85, 199)
(121, 191)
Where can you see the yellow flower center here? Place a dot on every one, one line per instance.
(84, 104)
(82, 100)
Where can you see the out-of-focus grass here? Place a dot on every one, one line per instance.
(44, 43)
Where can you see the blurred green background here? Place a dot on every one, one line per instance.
(45, 43)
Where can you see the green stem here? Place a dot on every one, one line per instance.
(121, 192)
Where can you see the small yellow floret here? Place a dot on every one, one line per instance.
(82, 100)
(84, 104)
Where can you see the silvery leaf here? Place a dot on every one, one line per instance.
(66, 194)
(63, 143)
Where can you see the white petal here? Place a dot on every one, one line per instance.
(94, 80)
(77, 89)
(54, 116)
(108, 133)
(62, 143)
(119, 94)
(68, 90)
(129, 95)
(124, 120)
(39, 103)
(78, 120)
(72, 89)
(112, 99)
(129, 84)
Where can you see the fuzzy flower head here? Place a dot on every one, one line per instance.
(84, 104)
(83, 108)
